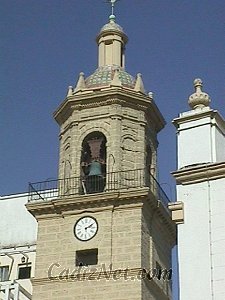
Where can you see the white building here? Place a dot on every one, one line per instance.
(200, 210)
(18, 235)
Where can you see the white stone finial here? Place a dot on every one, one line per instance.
(139, 85)
(116, 79)
(70, 91)
(199, 99)
(80, 83)
(151, 95)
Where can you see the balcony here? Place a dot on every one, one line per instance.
(13, 290)
(114, 181)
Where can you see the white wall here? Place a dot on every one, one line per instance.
(194, 243)
(17, 225)
(217, 197)
(194, 144)
(219, 144)
(201, 138)
(201, 240)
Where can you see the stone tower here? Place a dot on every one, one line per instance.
(104, 227)
(200, 211)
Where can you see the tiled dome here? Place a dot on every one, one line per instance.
(104, 75)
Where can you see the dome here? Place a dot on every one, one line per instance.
(112, 25)
(103, 76)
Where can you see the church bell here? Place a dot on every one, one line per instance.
(95, 169)
(95, 181)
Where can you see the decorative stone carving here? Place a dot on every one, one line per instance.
(139, 85)
(151, 95)
(70, 91)
(80, 83)
(199, 99)
(116, 79)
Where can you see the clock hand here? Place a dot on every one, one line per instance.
(89, 226)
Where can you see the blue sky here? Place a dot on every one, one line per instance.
(45, 44)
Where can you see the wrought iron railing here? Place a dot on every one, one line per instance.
(121, 180)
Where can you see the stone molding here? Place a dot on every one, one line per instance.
(75, 204)
(177, 210)
(199, 173)
(118, 200)
(199, 114)
(109, 96)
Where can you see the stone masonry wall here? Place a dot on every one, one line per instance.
(119, 244)
(125, 131)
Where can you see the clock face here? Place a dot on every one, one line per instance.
(85, 228)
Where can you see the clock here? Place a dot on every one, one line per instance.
(85, 228)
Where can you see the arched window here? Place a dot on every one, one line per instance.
(93, 163)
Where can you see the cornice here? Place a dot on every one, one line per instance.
(117, 200)
(70, 205)
(197, 115)
(188, 117)
(114, 32)
(195, 174)
(121, 96)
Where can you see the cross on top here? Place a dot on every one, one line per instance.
(112, 5)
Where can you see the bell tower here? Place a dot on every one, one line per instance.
(104, 227)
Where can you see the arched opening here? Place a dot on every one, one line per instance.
(93, 163)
